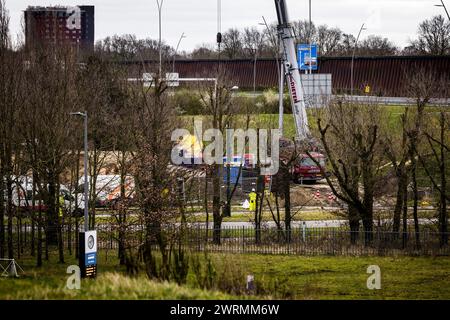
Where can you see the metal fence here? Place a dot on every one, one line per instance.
(297, 241)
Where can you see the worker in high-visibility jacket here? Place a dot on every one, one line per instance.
(252, 197)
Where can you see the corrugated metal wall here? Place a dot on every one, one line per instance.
(386, 76)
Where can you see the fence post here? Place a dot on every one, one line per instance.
(304, 231)
(111, 237)
(198, 236)
(243, 239)
(25, 240)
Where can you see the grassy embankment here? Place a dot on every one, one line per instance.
(287, 277)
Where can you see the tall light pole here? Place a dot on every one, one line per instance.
(353, 58)
(176, 50)
(159, 3)
(86, 185)
(445, 8)
(254, 69)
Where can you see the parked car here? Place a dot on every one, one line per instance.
(305, 169)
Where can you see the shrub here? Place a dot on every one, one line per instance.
(180, 266)
(187, 102)
(204, 271)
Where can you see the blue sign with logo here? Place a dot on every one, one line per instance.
(90, 259)
(307, 56)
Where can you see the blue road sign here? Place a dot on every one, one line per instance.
(307, 56)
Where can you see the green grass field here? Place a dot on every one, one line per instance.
(345, 277)
(285, 277)
(393, 114)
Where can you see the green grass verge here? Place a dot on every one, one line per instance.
(346, 277)
(290, 277)
(49, 282)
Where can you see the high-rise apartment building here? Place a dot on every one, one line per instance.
(60, 26)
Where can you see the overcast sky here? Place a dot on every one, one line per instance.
(395, 19)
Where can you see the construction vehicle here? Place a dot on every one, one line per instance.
(304, 168)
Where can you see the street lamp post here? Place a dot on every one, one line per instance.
(86, 185)
(176, 50)
(254, 70)
(353, 58)
(445, 8)
(160, 4)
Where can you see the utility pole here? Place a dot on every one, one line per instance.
(353, 58)
(254, 69)
(176, 50)
(160, 4)
(86, 183)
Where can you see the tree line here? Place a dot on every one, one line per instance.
(433, 38)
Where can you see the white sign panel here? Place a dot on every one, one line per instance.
(172, 79)
(90, 241)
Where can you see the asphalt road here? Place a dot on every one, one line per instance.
(308, 224)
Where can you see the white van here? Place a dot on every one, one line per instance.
(22, 197)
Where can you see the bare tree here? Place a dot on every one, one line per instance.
(204, 51)
(347, 44)
(218, 103)
(4, 26)
(304, 31)
(100, 91)
(127, 47)
(350, 134)
(47, 129)
(438, 142)
(376, 46)
(328, 40)
(433, 37)
(253, 42)
(397, 151)
(423, 86)
(153, 123)
(232, 43)
(11, 97)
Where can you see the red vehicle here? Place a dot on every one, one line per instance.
(307, 170)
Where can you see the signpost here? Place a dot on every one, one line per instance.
(307, 56)
(88, 254)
